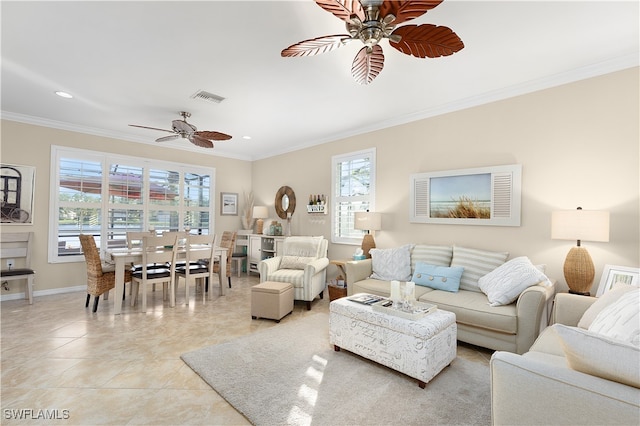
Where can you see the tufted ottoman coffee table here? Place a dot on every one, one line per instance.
(418, 348)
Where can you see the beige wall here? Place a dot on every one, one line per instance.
(578, 145)
(31, 145)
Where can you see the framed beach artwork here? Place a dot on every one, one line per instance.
(612, 275)
(480, 196)
(17, 185)
(228, 204)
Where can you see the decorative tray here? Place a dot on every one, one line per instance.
(418, 310)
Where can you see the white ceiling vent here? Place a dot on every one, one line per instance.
(206, 96)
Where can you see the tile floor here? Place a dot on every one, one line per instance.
(77, 368)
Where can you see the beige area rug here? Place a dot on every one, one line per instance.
(290, 374)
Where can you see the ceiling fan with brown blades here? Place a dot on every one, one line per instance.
(181, 128)
(372, 20)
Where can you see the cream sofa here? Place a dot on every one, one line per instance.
(512, 327)
(540, 387)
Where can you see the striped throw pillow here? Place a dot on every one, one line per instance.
(431, 254)
(476, 264)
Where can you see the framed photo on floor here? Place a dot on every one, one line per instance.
(612, 275)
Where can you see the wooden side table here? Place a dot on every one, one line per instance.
(341, 264)
(336, 292)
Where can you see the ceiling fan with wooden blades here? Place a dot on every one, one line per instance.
(372, 20)
(180, 128)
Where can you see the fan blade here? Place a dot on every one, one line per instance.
(167, 138)
(315, 46)
(200, 141)
(151, 128)
(216, 136)
(367, 65)
(427, 40)
(405, 10)
(342, 9)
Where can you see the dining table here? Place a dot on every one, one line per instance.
(125, 256)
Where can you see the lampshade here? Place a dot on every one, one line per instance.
(579, 225)
(367, 221)
(260, 212)
(584, 225)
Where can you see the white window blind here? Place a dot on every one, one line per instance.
(353, 188)
(107, 195)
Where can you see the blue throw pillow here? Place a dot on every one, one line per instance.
(445, 278)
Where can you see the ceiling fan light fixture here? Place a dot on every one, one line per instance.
(186, 130)
(372, 20)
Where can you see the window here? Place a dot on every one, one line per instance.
(353, 179)
(108, 195)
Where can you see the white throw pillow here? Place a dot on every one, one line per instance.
(621, 319)
(476, 263)
(391, 264)
(295, 262)
(302, 246)
(599, 356)
(603, 301)
(504, 284)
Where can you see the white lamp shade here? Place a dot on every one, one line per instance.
(260, 212)
(584, 225)
(368, 221)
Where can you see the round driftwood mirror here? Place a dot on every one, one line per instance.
(285, 202)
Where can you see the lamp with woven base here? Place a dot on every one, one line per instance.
(259, 213)
(367, 221)
(579, 225)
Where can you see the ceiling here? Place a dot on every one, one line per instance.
(141, 62)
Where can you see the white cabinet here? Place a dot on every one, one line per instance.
(263, 247)
(255, 248)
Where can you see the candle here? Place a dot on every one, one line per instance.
(395, 291)
(410, 291)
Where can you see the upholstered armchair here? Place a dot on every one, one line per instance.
(303, 263)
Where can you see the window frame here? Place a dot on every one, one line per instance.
(106, 159)
(369, 198)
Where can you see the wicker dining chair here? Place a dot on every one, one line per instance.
(228, 241)
(99, 281)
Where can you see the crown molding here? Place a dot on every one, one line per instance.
(582, 73)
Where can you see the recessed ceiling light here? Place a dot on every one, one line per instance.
(246, 137)
(64, 94)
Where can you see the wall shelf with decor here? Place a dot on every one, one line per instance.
(318, 204)
(321, 209)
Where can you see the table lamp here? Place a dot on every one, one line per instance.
(579, 225)
(367, 221)
(259, 213)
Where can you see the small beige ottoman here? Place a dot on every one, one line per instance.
(272, 300)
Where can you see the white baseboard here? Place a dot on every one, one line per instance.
(17, 296)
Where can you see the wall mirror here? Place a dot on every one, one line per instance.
(285, 202)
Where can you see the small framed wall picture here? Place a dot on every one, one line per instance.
(229, 204)
(17, 186)
(612, 275)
